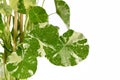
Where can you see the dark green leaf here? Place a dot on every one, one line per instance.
(38, 15)
(1, 25)
(48, 35)
(21, 7)
(63, 11)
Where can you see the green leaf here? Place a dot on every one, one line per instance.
(38, 15)
(5, 9)
(48, 35)
(14, 4)
(1, 26)
(66, 50)
(32, 45)
(74, 49)
(1, 57)
(21, 7)
(29, 3)
(63, 11)
(25, 66)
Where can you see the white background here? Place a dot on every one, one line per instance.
(99, 21)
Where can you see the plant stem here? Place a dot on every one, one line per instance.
(9, 19)
(52, 14)
(5, 75)
(15, 31)
(43, 3)
(21, 28)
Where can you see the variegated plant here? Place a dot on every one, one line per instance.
(25, 39)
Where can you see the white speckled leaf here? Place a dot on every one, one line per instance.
(27, 65)
(66, 50)
(63, 11)
(74, 49)
(38, 15)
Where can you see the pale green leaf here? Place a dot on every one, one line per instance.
(74, 49)
(38, 15)
(5, 9)
(29, 3)
(14, 4)
(26, 63)
(63, 11)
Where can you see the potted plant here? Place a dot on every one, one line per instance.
(25, 34)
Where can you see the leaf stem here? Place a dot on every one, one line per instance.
(9, 19)
(43, 3)
(52, 14)
(15, 31)
(5, 75)
(21, 28)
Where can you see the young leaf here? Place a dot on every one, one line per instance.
(21, 7)
(5, 9)
(71, 52)
(27, 66)
(63, 11)
(29, 3)
(38, 15)
(1, 26)
(13, 4)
